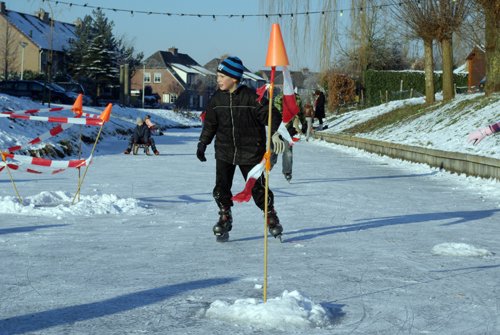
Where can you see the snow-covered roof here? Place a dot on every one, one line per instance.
(252, 76)
(41, 33)
(194, 69)
(203, 70)
(462, 69)
(184, 68)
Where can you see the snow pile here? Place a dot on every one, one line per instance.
(442, 127)
(59, 203)
(290, 311)
(350, 119)
(459, 249)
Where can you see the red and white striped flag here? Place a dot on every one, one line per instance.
(289, 105)
(289, 110)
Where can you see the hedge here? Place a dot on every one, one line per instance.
(378, 82)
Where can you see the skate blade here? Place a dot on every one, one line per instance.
(222, 238)
(277, 237)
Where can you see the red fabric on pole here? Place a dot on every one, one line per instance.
(289, 104)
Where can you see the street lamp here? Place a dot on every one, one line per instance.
(23, 45)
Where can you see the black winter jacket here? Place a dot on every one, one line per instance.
(238, 121)
(141, 134)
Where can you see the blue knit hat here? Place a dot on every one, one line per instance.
(232, 67)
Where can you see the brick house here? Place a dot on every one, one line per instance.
(304, 81)
(32, 42)
(250, 79)
(175, 78)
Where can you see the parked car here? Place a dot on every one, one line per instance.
(77, 89)
(37, 90)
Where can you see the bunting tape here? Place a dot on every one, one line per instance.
(13, 166)
(94, 121)
(35, 111)
(51, 133)
(76, 163)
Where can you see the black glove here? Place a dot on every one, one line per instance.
(200, 153)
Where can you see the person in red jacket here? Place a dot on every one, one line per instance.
(237, 122)
(479, 134)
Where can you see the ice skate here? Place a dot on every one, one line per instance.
(223, 227)
(288, 177)
(273, 223)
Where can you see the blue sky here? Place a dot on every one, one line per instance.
(202, 38)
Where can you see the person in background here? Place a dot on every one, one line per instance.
(319, 107)
(149, 123)
(479, 134)
(141, 135)
(238, 123)
(309, 115)
(152, 129)
(294, 128)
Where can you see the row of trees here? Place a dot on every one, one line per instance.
(368, 43)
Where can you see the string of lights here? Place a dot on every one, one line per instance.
(214, 16)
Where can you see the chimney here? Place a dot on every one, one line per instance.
(43, 16)
(2, 7)
(173, 50)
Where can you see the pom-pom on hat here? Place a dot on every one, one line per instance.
(139, 121)
(232, 67)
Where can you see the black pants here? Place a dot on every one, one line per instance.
(224, 173)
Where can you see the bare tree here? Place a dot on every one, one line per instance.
(420, 19)
(471, 32)
(8, 51)
(449, 15)
(355, 43)
(492, 34)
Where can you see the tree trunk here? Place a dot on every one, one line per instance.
(429, 72)
(492, 35)
(448, 90)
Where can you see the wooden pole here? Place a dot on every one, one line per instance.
(4, 159)
(87, 165)
(268, 168)
(80, 156)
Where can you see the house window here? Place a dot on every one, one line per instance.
(169, 98)
(157, 77)
(147, 77)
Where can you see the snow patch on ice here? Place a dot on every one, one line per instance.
(57, 203)
(290, 311)
(459, 249)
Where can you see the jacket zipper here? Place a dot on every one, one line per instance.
(232, 120)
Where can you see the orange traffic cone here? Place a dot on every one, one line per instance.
(78, 105)
(106, 113)
(276, 52)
